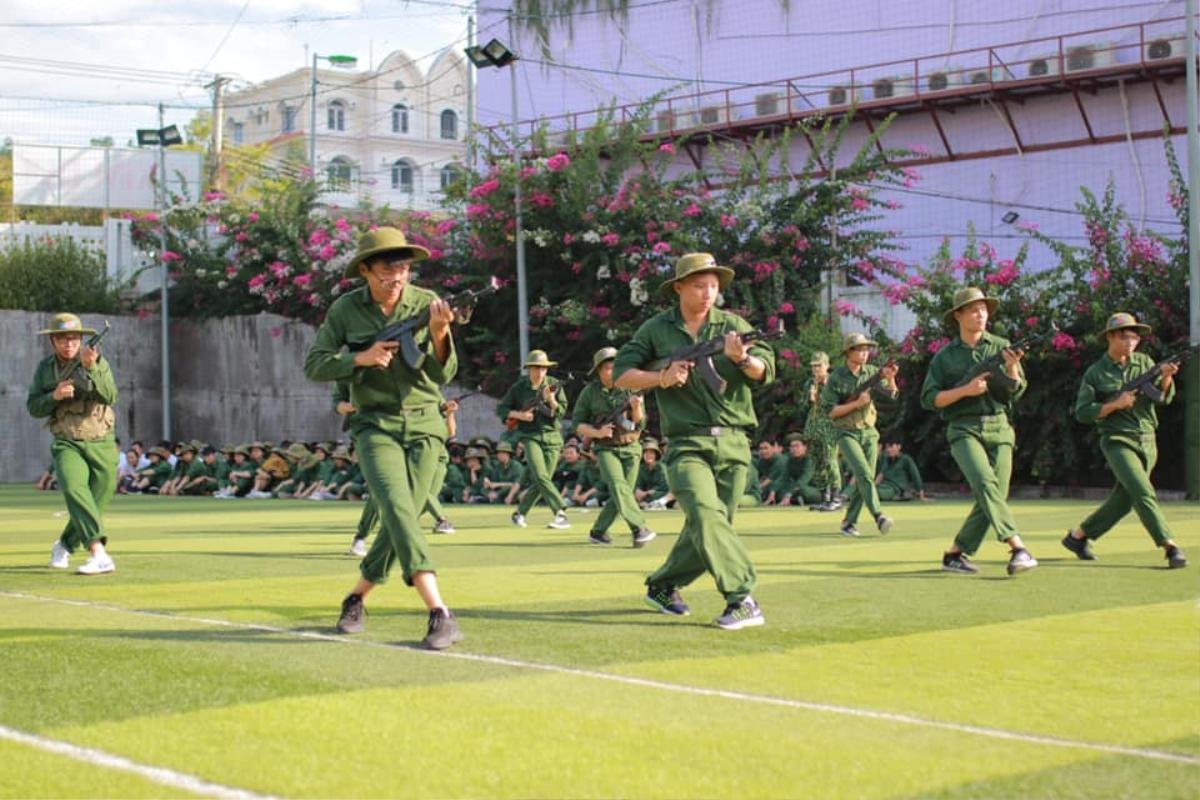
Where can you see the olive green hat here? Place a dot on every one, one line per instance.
(819, 357)
(693, 263)
(66, 323)
(538, 358)
(226, 449)
(602, 355)
(187, 447)
(651, 444)
(966, 296)
(853, 340)
(384, 240)
(794, 437)
(340, 452)
(475, 452)
(161, 452)
(241, 448)
(1122, 320)
(297, 451)
(504, 447)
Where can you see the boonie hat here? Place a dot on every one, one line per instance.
(66, 323)
(966, 296)
(693, 263)
(602, 355)
(538, 358)
(384, 240)
(853, 340)
(1122, 320)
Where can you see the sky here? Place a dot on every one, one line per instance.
(71, 70)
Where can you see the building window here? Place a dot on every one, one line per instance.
(239, 133)
(337, 115)
(288, 120)
(399, 118)
(402, 176)
(340, 171)
(449, 124)
(449, 174)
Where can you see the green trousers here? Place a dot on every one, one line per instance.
(809, 494)
(708, 477)
(619, 468)
(1131, 465)
(432, 503)
(822, 449)
(541, 458)
(87, 476)
(893, 491)
(983, 450)
(368, 520)
(399, 474)
(860, 449)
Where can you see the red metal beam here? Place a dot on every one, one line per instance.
(1083, 113)
(937, 123)
(1012, 126)
(1158, 96)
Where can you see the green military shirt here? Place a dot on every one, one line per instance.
(1101, 383)
(454, 480)
(901, 471)
(595, 402)
(840, 384)
(198, 469)
(521, 396)
(952, 363)
(652, 479)
(395, 399)
(158, 473)
(223, 467)
(589, 477)
(474, 483)
(86, 417)
(752, 488)
(504, 473)
(180, 470)
(693, 408)
(807, 407)
(566, 475)
(797, 475)
(771, 468)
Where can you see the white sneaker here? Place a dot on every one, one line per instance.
(98, 564)
(444, 526)
(359, 548)
(257, 495)
(60, 557)
(518, 519)
(560, 522)
(656, 505)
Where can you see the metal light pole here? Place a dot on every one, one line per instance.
(165, 336)
(1191, 422)
(346, 62)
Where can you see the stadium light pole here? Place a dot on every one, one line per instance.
(1191, 422)
(341, 62)
(496, 54)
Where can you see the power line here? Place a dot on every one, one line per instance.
(225, 38)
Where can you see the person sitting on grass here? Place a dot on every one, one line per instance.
(566, 472)
(151, 479)
(897, 476)
(503, 478)
(241, 474)
(651, 483)
(796, 487)
(185, 457)
(475, 490)
(201, 478)
(293, 456)
(274, 469)
(348, 479)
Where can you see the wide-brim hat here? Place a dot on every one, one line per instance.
(602, 355)
(297, 451)
(504, 447)
(340, 452)
(384, 240)
(186, 447)
(651, 444)
(66, 323)
(819, 357)
(967, 296)
(322, 446)
(1122, 320)
(226, 449)
(692, 264)
(853, 340)
(794, 437)
(538, 358)
(161, 452)
(241, 448)
(475, 452)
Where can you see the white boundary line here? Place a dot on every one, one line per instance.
(628, 680)
(159, 775)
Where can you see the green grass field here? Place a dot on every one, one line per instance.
(210, 655)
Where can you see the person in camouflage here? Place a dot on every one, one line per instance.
(821, 437)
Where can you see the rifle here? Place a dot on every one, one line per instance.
(70, 371)
(622, 424)
(462, 303)
(538, 404)
(458, 399)
(868, 384)
(703, 352)
(994, 363)
(1144, 383)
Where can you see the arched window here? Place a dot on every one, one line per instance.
(449, 124)
(337, 115)
(340, 172)
(399, 118)
(402, 175)
(449, 174)
(288, 118)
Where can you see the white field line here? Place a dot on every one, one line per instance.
(159, 775)
(628, 680)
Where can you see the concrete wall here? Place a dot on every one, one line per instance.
(233, 380)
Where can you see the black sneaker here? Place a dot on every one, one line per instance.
(353, 611)
(599, 537)
(849, 529)
(1176, 558)
(884, 523)
(1082, 548)
(643, 536)
(1020, 561)
(736, 616)
(958, 562)
(443, 630)
(667, 600)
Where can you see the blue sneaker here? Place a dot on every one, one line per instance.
(667, 600)
(745, 614)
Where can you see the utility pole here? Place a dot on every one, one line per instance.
(216, 174)
(1191, 420)
(165, 313)
(470, 96)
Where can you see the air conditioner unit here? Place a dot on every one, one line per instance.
(975, 76)
(766, 104)
(559, 139)
(664, 121)
(1043, 66)
(943, 79)
(714, 115)
(1163, 47)
(840, 96)
(1089, 56)
(892, 86)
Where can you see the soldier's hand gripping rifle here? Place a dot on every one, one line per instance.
(993, 365)
(71, 372)
(1144, 383)
(868, 384)
(702, 355)
(461, 303)
(622, 425)
(539, 405)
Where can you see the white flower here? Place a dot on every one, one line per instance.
(591, 237)
(603, 272)
(637, 292)
(222, 284)
(611, 334)
(200, 273)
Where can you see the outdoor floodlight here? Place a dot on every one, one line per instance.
(476, 56)
(1010, 218)
(493, 54)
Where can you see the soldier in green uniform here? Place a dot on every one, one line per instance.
(152, 478)
(397, 428)
(709, 455)
(1127, 423)
(74, 391)
(615, 444)
(769, 467)
(752, 497)
(185, 457)
(474, 476)
(796, 487)
(821, 436)
(201, 476)
(897, 477)
(651, 483)
(533, 407)
(854, 419)
(503, 476)
(977, 427)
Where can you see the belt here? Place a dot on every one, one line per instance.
(715, 431)
(415, 411)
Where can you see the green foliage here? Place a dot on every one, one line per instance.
(55, 274)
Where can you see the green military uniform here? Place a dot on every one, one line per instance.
(858, 439)
(83, 445)
(509, 472)
(1127, 439)
(398, 429)
(709, 457)
(453, 484)
(224, 466)
(476, 490)
(752, 497)
(980, 436)
(796, 481)
(772, 470)
(158, 473)
(822, 439)
(541, 437)
(617, 459)
(206, 472)
(653, 480)
(901, 478)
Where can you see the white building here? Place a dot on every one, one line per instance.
(394, 135)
